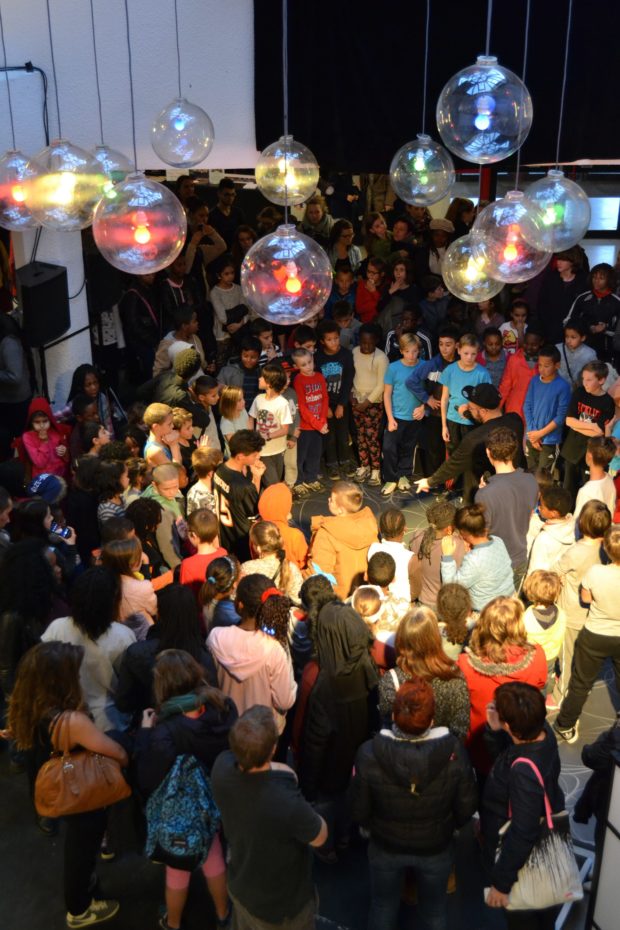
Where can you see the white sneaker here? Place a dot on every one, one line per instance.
(388, 488)
(375, 478)
(362, 472)
(403, 484)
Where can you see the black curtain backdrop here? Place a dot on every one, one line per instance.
(356, 73)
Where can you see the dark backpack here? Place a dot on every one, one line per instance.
(182, 816)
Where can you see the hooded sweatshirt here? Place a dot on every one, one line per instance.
(275, 505)
(42, 453)
(483, 676)
(412, 793)
(551, 543)
(340, 545)
(253, 668)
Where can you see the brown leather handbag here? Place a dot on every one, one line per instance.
(76, 781)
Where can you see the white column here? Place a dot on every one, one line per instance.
(61, 248)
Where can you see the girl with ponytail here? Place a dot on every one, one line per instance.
(425, 569)
(267, 544)
(218, 593)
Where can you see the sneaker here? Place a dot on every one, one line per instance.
(105, 852)
(349, 470)
(362, 473)
(550, 703)
(569, 735)
(315, 486)
(96, 913)
(404, 484)
(163, 924)
(333, 473)
(388, 488)
(375, 478)
(300, 490)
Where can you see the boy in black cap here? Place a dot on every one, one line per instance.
(469, 458)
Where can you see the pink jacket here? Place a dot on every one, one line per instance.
(253, 668)
(137, 597)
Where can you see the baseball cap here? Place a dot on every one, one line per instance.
(483, 395)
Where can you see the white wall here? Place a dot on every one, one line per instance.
(217, 62)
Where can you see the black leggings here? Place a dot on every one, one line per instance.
(83, 836)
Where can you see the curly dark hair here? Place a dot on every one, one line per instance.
(145, 514)
(273, 618)
(109, 480)
(95, 600)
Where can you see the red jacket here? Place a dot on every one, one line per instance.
(483, 677)
(42, 453)
(366, 302)
(515, 382)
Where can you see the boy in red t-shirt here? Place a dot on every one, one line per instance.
(311, 389)
(203, 529)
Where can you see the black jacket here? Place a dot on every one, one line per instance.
(17, 635)
(135, 681)
(518, 787)
(204, 737)
(598, 756)
(470, 454)
(413, 794)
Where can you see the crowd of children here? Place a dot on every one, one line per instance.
(172, 522)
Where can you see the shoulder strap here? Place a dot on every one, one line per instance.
(570, 374)
(394, 677)
(541, 781)
(61, 732)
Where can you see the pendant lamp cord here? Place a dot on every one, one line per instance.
(133, 109)
(8, 86)
(285, 98)
(176, 33)
(525, 47)
(49, 29)
(561, 119)
(92, 22)
(489, 18)
(428, 19)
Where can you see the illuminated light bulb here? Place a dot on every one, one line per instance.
(16, 173)
(65, 192)
(558, 213)
(142, 235)
(287, 172)
(498, 239)
(142, 229)
(422, 172)
(286, 277)
(466, 276)
(182, 134)
(484, 112)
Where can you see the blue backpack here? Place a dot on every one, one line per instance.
(182, 816)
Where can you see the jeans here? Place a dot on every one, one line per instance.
(591, 650)
(274, 469)
(398, 449)
(387, 870)
(309, 447)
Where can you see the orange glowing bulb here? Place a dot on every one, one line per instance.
(293, 285)
(142, 235)
(510, 252)
(18, 193)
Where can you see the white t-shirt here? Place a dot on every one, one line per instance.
(603, 489)
(603, 583)
(271, 414)
(400, 587)
(99, 668)
(233, 426)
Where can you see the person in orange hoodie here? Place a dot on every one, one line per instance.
(340, 543)
(46, 442)
(274, 506)
(520, 369)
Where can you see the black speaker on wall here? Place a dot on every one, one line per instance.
(43, 295)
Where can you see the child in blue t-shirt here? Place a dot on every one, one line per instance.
(545, 406)
(405, 415)
(462, 373)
